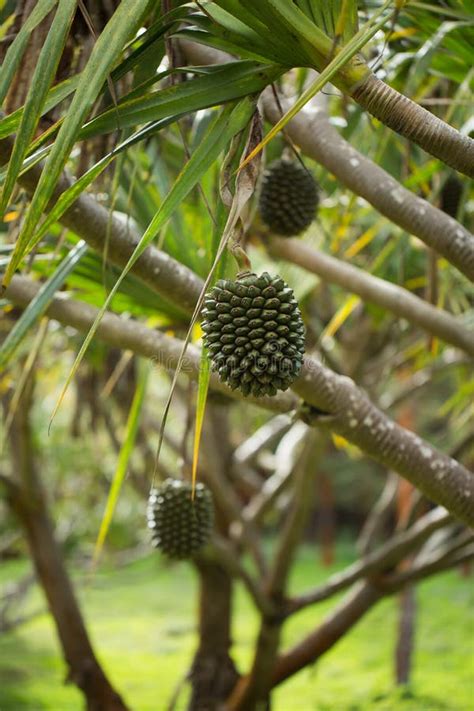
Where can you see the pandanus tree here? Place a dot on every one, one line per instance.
(131, 146)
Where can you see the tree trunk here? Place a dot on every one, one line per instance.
(29, 503)
(406, 631)
(213, 674)
(327, 519)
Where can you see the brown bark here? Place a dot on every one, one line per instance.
(327, 519)
(417, 124)
(29, 503)
(213, 673)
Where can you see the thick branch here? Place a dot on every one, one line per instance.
(318, 139)
(351, 609)
(29, 503)
(351, 413)
(356, 418)
(416, 123)
(375, 290)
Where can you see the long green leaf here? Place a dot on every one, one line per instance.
(221, 131)
(69, 196)
(122, 25)
(42, 79)
(39, 304)
(230, 81)
(126, 450)
(232, 26)
(9, 124)
(203, 389)
(205, 365)
(274, 19)
(17, 48)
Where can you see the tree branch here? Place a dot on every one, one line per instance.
(436, 563)
(339, 621)
(359, 600)
(248, 450)
(319, 140)
(375, 290)
(223, 551)
(378, 515)
(383, 558)
(272, 487)
(412, 121)
(295, 517)
(350, 412)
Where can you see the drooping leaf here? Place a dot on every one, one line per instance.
(203, 389)
(41, 81)
(331, 70)
(39, 304)
(122, 25)
(70, 195)
(126, 450)
(221, 84)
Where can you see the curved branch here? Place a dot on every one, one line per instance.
(319, 140)
(265, 436)
(350, 412)
(383, 558)
(347, 613)
(412, 121)
(359, 600)
(436, 563)
(375, 290)
(222, 551)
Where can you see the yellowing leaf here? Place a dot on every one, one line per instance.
(339, 441)
(362, 241)
(11, 216)
(415, 283)
(340, 316)
(203, 388)
(197, 332)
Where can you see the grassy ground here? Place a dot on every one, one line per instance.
(141, 618)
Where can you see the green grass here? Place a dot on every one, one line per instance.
(141, 619)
